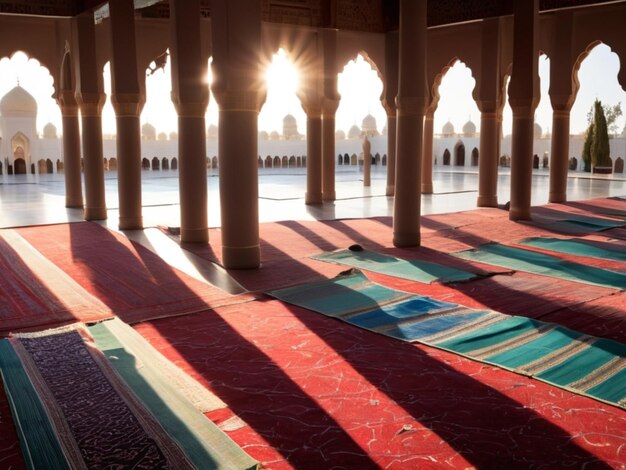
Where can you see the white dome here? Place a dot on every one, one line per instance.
(538, 131)
(18, 102)
(162, 136)
(263, 135)
(469, 129)
(148, 131)
(290, 127)
(340, 135)
(274, 135)
(173, 135)
(49, 131)
(354, 132)
(447, 129)
(369, 124)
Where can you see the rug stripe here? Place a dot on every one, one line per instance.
(38, 441)
(202, 441)
(546, 265)
(414, 270)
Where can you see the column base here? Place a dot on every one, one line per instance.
(406, 239)
(329, 197)
(74, 204)
(247, 257)
(130, 223)
(194, 235)
(519, 214)
(427, 188)
(390, 191)
(557, 197)
(95, 213)
(487, 201)
(313, 198)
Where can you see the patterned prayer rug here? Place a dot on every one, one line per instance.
(580, 363)
(579, 247)
(34, 292)
(414, 270)
(546, 265)
(73, 409)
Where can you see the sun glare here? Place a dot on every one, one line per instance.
(282, 84)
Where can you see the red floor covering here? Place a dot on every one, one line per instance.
(317, 393)
(131, 280)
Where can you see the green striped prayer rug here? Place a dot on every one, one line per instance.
(113, 403)
(559, 356)
(575, 223)
(414, 270)
(577, 247)
(141, 367)
(546, 265)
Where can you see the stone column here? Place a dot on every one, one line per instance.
(523, 97)
(313, 153)
(71, 135)
(389, 103)
(239, 91)
(367, 163)
(190, 95)
(90, 98)
(490, 96)
(488, 161)
(562, 94)
(411, 103)
(427, 155)
(559, 159)
(127, 102)
(330, 103)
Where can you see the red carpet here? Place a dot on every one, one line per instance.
(317, 393)
(131, 280)
(34, 293)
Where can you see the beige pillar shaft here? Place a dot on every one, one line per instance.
(93, 163)
(190, 96)
(410, 124)
(328, 157)
(391, 155)
(367, 163)
(521, 165)
(239, 188)
(127, 104)
(71, 157)
(239, 92)
(488, 161)
(192, 177)
(427, 155)
(128, 142)
(313, 159)
(559, 159)
(523, 97)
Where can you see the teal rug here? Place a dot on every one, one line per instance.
(538, 263)
(414, 270)
(583, 364)
(576, 247)
(575, 223)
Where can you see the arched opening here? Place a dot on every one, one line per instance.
(19, 166)
(360, 87)
(474, 156)
(535, 162)
(276, 161)
(268, 162)
(346, 159)
(214, 162)
(174, 164)
(156, 166)
(619, 165)
(446, 157)
(459, 154)
(165, 164)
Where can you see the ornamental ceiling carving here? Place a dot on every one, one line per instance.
(358, 15)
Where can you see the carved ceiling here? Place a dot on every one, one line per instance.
(358, 15)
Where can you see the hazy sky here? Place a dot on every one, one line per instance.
(358, 84)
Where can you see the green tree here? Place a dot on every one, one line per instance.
(587, 148)
(600, 151)
(611, 113)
